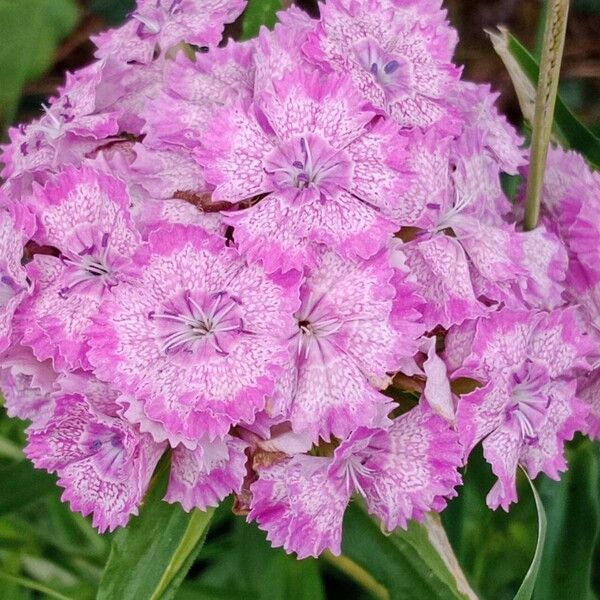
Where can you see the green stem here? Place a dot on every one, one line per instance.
(552, 51)
(358, 575)
(194, 532)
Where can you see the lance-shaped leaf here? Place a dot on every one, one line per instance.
(408, 564)
(150, 558)
(573, 507)
(528, 585)
(524, 70)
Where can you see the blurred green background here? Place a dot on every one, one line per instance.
(46, 551)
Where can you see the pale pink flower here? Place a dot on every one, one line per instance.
(402, 472)
(355, 326)
(400, 60)
(202, 477)
(321, 170)
(199, 337)
(527, 364)
(166, 23)
(102, 462)
(83, 215)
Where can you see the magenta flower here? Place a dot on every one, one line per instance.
(194, 90)
(16, 227)
(166, 23)
(400, 58)
(199, 337)
(26, 385)
(103, 463)
(402, 472)
(527, 363)
(353, 329)
(82, 215)
(203, 477)
(328, 175)
(73, 125)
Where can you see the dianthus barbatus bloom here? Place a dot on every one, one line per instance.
(327, 173)
(199, 337)
(103, 463)
(26, 384)
(479, 115)
(166, 23)
(402, 472)
(464, 256)
(193, 90)
(279, 52)
(399, 57)
(571, 198)
(355, 326)
(73, 124)
(204, 476)
(83, 215)
(527, 406)
(16, 227)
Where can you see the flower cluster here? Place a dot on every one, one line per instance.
(244, 254)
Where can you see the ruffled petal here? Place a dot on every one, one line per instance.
(299, 506)
(201, 478)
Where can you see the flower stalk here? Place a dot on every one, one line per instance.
(357, 574)
(552, 51)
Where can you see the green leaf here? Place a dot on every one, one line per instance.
(150, 558)
(291, 579)
(526, 590)
(33, 585)
(405, 563)
(258, 13)
(524, 72)
(30, 31)
(22, 484)
(555, 32)
(244, 565)
(573, 509)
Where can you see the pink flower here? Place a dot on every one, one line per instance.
(203, 477)
(26, 385)
(166, 23)
(441, 272)
(194, 90)
(163, 173)
(527, 407)
(398, 59)
(501, 143)
(329, 175)
(103, 463)
(402, 472)
(279, 52)
(16, 227)
(353, 329)
(82, 215)
(199, 337)
(465, 257)
(73, 124)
